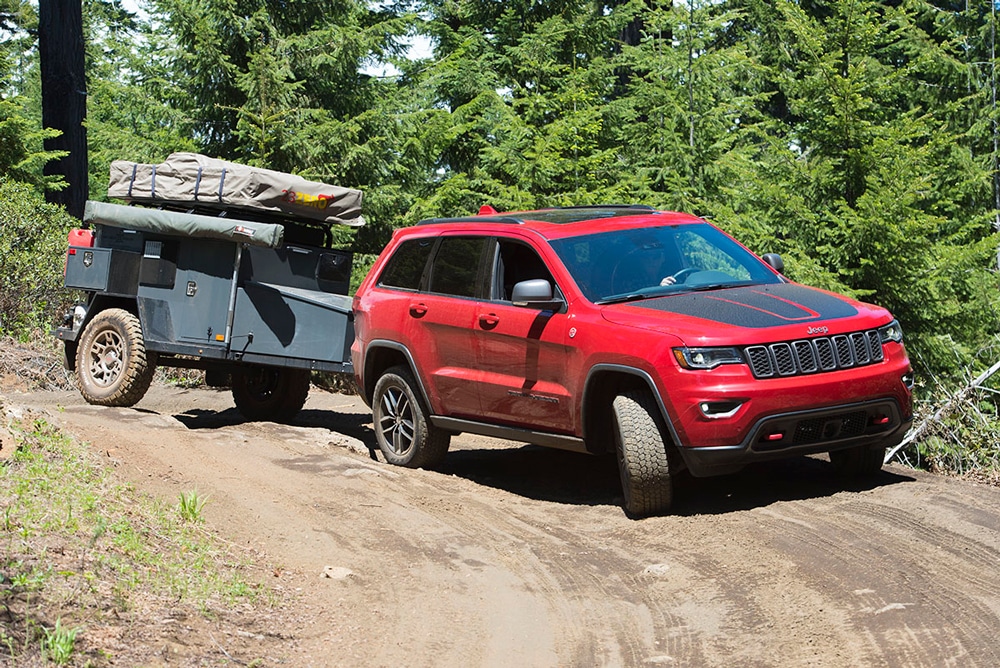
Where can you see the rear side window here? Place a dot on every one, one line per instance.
(456, 266)
(406, 267)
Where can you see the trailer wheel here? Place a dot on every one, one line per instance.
(274, 394)
(113, 367)
(860, 461)
(642, 454)
(405, 435)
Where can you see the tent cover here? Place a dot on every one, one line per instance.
(190, 178)
(269, 235)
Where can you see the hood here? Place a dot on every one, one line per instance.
(755, 307)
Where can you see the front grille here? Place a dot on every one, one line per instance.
(805, 356)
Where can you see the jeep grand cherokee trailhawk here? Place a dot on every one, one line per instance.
(620, 328)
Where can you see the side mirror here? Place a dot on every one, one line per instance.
(774, 261)
(535, 293)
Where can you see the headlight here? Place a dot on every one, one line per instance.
(891, 332)
(707, 358)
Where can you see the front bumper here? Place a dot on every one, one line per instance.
(878, 423)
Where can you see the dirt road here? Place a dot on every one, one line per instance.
(520, 556)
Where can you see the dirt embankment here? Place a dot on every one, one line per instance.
(517, 555)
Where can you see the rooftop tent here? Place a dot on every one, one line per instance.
(190, 178)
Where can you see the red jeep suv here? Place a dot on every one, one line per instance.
(620, 328)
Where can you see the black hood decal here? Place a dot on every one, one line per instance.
(756, 306)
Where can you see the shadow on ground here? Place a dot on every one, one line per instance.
(575, 479)
(570, 478)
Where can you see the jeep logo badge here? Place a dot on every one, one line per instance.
(817, 330)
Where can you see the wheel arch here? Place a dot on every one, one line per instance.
(604, 382)
(101, 303)
(95, 305)
(381, 355)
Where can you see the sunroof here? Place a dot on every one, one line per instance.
(573, 214)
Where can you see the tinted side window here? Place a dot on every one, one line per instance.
(406, 266)
(456, 266)
(516, 262)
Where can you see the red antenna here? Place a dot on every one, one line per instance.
(487, 210)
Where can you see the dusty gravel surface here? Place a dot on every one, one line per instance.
(514, 555)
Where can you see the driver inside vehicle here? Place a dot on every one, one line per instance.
(646, 267)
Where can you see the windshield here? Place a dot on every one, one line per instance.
(637, 263)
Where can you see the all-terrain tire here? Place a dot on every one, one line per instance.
(643, 462)
(113, 367)
(271, 394)
(859, 462)
(402, 428)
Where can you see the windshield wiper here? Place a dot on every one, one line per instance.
(618, 299)
(711, 286)
(644, 293)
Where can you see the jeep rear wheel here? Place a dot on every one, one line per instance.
(404, 433)
(642, 454)
(113, 367)
(273, 394)
(861, 461)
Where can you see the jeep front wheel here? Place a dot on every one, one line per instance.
(404, 433)
(642, 454)
(113, 367)
(272, 394)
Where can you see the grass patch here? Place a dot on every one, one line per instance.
(83, 556)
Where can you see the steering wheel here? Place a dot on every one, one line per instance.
(682, 275)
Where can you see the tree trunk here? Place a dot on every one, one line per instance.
(64, 98)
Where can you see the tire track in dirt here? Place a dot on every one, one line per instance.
(597, 618)
(872, 560)
(523, 557)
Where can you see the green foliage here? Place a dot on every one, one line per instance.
(861, 186)
(130, 110)
(190, 505)
(32, 255)
(115, 546)
(855, 137)
(58, 643)
(21, 154)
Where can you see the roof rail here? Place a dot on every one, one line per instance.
(508, 220)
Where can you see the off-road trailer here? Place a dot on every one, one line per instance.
(217, 278)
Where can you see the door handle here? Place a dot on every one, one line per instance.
(418, 310)
(488, 319)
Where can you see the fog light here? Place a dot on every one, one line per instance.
(719, 409)
(907, 379)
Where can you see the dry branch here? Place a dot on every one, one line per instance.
(945, 409)
(40, 368)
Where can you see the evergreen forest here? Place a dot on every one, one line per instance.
(857, 138)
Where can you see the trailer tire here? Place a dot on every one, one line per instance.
(271, 394)
(113, 367)
(404, 433)
(643, 462)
